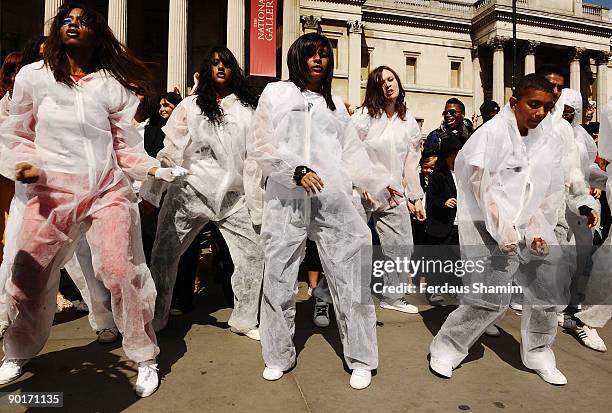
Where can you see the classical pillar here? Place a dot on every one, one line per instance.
(311, 24)
(177, 45)
(291, 29)
(51, 7)
(117, 19)
(530, 51)
(602, 82)
(497, 44)
(355, 28)
(477, 81)
(236, 27)
(575, 55)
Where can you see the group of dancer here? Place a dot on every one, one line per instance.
(270, 172)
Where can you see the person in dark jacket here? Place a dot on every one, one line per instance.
(454, 124)
(442, 233)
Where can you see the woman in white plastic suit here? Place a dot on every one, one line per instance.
(310, 152)
(207, 134)
(392, 138)
(507, 195)
(70, 137)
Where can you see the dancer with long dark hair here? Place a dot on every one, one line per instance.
(70, 137)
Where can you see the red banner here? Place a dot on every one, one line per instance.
(263, 38)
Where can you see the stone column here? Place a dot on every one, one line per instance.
(236, 27)
(177, 45)
(291, 29)
(477, 81)
(311, 24)
(530, 51)
(575, 54)
(117, 19)
(602, 82)
(497, 44)
(355, 28)
(51, 7)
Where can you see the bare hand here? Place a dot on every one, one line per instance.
(395, 197)
(596, 193)
(411, 208)
(26, 173)
(593, 219)
(419, 211)
(451, 203)
(509, 249)
(312, 182)
(539, 247)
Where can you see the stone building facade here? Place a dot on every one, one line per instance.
(440, 48)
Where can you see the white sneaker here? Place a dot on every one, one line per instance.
(552, 376)
(441, 367)
(492, 331)
(147, 381)
(400, 305)
(253, 334)
(320, 317)
(517, 307)
(272, 374)
(11, 369)
(108, 335)
(360, 379)
(309, 291)
(590, 338)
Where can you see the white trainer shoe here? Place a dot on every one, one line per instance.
(320, 318)
(492, 331)
(147, 381)
(518, 308)
(552, 376)
(360, 379)
(272, 374)
(253, 334)
(399, 305)
(590, 338)
(11, 369)
(441, 367)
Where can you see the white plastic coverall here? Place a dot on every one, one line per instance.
(214, 190)
(293, 128)
(598, 293)
(83, 141)
(507, 190)
(393, 146)
(583, 236)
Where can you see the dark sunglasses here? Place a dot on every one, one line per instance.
(451, 112)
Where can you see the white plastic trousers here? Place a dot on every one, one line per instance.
(344, 244)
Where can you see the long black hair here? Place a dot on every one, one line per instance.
(205, 91)
(303, 48)
(108, 54)
(376, 101)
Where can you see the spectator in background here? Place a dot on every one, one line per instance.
(488, 109)
(453, 124)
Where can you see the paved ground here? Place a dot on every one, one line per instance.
(207, 368)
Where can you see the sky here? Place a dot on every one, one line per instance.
(602, 2)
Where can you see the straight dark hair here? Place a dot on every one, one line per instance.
(205, 91)
(376, 101)
(303, 48)
(108, 55)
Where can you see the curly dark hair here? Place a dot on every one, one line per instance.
(376, 101)
(31, 51)
(205, 91)
(297, 57)
(108, 55)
